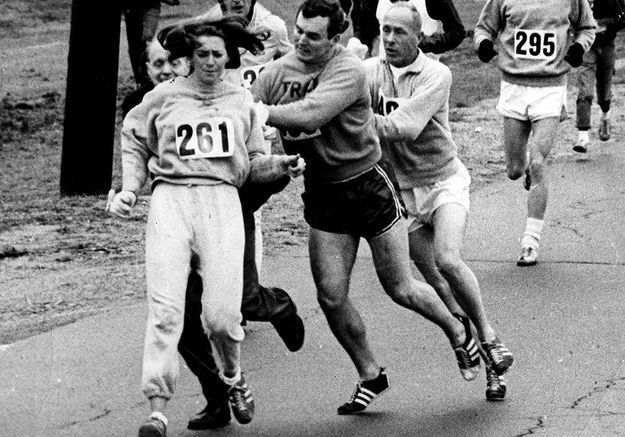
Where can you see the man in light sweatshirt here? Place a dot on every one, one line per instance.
(538, 43)
(410, 95)
(317, 97)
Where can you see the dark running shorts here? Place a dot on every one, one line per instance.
(365, 206)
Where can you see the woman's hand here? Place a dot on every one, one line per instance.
(121, 204)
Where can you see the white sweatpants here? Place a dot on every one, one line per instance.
(184, 219)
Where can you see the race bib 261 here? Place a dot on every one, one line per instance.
(535, 44)
(209, 138)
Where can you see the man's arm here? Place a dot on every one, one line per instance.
(281, 37)
(365, 24)
(408, 121)
(336, 91)
(453, 30)
(134, 142)
(490, 22)
(585, 26)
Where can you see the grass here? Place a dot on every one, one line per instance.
(73, 258)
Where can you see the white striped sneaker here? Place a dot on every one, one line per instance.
(499, 355)
(467, 354)
(365, 393)
(241, 401)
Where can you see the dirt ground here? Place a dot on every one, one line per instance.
(63, 258)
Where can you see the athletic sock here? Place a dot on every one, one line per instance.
(583, 135)
(605, 115)
(531, 236)
(160, 416)
(230, 381)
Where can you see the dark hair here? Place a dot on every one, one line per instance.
(337, 22)
(182, 39)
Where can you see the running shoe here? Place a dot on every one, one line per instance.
(605, 129)
(527, 183)
(241, 401)
(495, 385)
(467, 354)
(528, 257)
(153, 427)
(365, 393)
(581, 146)
(211, 418)
(499, 355)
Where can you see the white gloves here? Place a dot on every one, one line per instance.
(356, 47)
(121, 204)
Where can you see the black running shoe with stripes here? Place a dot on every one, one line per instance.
(365, 393)
(467, 354)
(499, 355)
(495, 386)
(241, 401)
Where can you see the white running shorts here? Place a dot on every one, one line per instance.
(531, 103)
(422, 202)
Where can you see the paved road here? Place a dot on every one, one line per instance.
(562, 319)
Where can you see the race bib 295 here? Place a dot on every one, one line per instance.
(535, 44)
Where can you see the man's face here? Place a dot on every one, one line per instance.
(400, 37)
(238, 7)
(160, 69)
(311, 38)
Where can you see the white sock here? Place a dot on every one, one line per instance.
(583, 135)
(160, 416)
(531, 236)
(231, 380)
(605, 115)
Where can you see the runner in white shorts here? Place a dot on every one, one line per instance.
(410, 93)
(533, 57)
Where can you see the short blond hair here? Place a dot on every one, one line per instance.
(416, 16)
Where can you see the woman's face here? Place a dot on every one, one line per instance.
(209, 60)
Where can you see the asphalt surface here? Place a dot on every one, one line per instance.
(562, 319)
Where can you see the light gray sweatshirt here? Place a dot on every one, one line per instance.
(412, 120)
(534, 36)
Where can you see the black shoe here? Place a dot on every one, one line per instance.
(210, 418)
(291, 331)
(495, 386)
(365, 393)
(153, 427)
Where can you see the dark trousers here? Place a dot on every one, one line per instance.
(141, 24)
(596, 72)
(258, 304)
